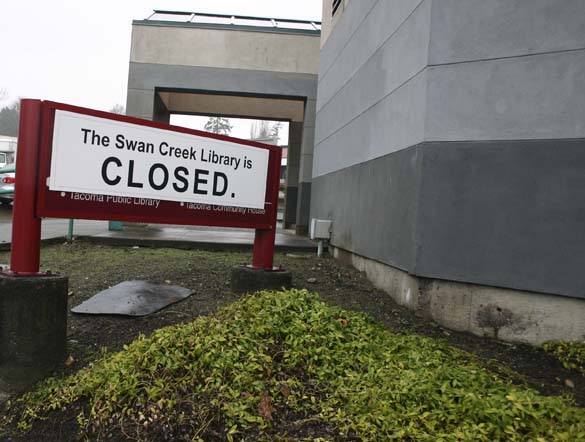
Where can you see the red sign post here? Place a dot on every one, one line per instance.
(26, 226)
(178, 185)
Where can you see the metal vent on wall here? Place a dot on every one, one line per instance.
(336, 5)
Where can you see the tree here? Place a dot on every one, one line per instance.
(218, 125)
(260, 129)
(118, 109)
(274, 132)
(265, 129)
(9, 116)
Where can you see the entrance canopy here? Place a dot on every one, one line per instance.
(193, 103)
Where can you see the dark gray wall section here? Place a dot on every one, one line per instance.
(372, 206)
(508, 214)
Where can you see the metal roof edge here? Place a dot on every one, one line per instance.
(274, 30)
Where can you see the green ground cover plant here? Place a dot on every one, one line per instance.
(571, 354)
(273, 361)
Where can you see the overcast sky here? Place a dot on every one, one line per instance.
(76, 51)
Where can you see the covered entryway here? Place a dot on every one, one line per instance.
(244, 67)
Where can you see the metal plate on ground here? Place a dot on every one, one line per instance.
(133, 298)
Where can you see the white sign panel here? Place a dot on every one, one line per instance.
(100, 156)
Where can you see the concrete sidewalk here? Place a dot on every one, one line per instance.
(154, 235)
(55, 230)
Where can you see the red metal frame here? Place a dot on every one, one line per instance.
(34, 200)
(26, 226)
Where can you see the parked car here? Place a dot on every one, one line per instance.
(6, 158)
(7, 181)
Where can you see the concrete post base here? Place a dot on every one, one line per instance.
(245, 279)
(33, 329)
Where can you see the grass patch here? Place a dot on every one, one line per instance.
(571, 354)
(267, 366)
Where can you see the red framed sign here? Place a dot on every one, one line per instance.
(97, 165)
(81, 163)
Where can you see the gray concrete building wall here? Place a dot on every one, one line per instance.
(376, 83)
(450, 145)
(371, 111)
(221, 48)
(476, 30)
(522, 98)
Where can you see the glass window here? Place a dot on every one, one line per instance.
(295, 25)
(253, 22)
(171, 16)
(211, 19)
(2, 159)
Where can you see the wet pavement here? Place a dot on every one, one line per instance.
(206, 236)
(5, 214)
(51, 228)
(153, 234)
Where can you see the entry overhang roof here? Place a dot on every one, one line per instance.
(232, 22)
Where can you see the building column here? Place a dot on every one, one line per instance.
(140, 103)
(295, 138)
(306, 168)
(160, 112)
